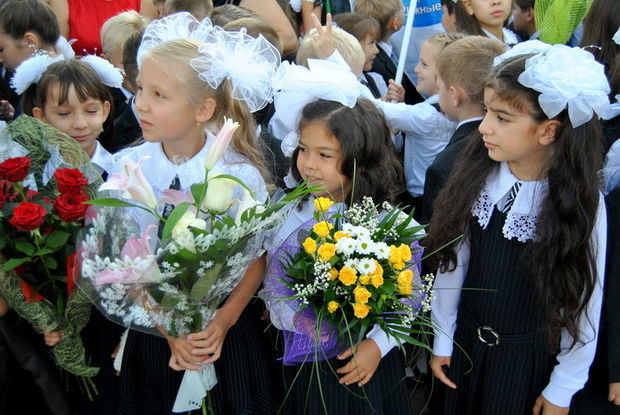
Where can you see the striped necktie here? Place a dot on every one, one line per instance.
(512, 195)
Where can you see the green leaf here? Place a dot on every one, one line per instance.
(197, 192)
(174, 218)
(44, 251)
(15, 262)
(204, 283)
(110, 202)
(50, 262)
(57, 239)
(25, 247)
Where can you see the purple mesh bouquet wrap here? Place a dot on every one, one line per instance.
(334, 278)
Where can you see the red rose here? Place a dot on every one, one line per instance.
(70, 207)
(6, 192)
(31, 295)
(15, 169)
(70, 180)
(28, 216)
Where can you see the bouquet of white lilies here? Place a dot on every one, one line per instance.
(173, 282)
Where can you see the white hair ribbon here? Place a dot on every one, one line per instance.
(250, 64)
(565, 77)
(175, 26)
(32, 69)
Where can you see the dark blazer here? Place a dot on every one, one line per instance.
(126, 130)
(384, 66)
(438, 172)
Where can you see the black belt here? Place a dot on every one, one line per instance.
(489, 336)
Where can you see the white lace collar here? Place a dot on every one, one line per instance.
(522, 218)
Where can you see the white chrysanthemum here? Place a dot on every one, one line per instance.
(346, 246)
(351, 263)
(365, 245)
(365, 266)
(381, 250)
(358, 231)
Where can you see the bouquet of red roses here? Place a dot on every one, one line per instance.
(37, 231)
(41, 210)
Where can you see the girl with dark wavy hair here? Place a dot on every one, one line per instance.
(520, 294)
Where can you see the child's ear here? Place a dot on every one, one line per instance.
(456, 95)
(31, 39)
(547, 131)
(206, 110)
(38, 114)
(529, 16)
(106, 109)
(468, 8)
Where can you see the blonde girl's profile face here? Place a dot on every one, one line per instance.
(162, 104)
(319, 161)
(83, 121)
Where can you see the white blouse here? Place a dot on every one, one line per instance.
(571, 373)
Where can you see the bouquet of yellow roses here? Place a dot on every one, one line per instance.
(353, 270)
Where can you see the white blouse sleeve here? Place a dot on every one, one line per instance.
(571, 372)
(418, 119)
(445, 305)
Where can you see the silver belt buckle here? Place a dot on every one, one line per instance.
(492, 332)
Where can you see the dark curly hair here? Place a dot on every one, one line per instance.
(561, 261)
(367, 147)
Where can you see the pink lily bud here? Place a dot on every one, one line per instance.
(222, 140)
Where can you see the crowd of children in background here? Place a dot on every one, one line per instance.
(493, 136)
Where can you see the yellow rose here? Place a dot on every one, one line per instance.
(364, 279)
(378, 269)
(394, 255)
(326, 251)
(360, 310)
(347, 276)
(332, 306)
(361, 294)
(339, 234)
(399, 265)
(405, 252)
(376, 280)
(404, 289)
(333, 274)
(322, 203)
(405, 277)
(309, 246)
(322, 229)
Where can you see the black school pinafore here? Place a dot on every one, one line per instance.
(501, 359)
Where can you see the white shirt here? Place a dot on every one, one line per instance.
(160, 171)
(510, 39)
(103, 160)
(427, 132)
(571, 372)
(280, 313)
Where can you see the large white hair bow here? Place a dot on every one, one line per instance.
(175, 26)
(296, 86)
(565, 77)
(616, 37)
(250, 64)
(32, 69)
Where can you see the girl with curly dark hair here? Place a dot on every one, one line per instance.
(526, 199)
